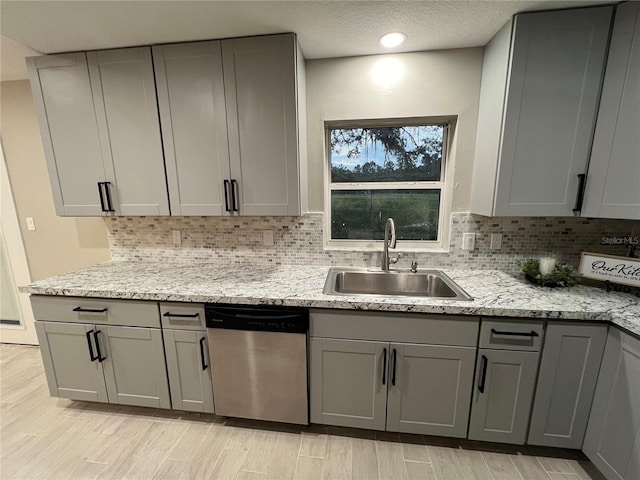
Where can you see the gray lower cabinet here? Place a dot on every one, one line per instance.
(347, 384)
(189, 371)
(399, 387)
(430, 389)
(123, 365)
(566, 384)
(70, 362)
(503, 394)
(612, 441)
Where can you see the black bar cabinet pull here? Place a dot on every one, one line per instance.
(384, 366)
(483, 378)
(181, 315)
(95, 337)
(582, 179)
(90, 310)
(108, 194)
(234, 188)
(202, 360)
(101, 195)
(515, 334)
(92, 356)
(226, 195)
(395, 361)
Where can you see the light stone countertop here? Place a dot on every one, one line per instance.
(495, 293)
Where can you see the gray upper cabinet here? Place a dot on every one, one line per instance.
(64, 104)
(566, 383)
(127, 113)
(70, 361)
(349, 381)
(429, 389)
(613, 183)
(539, 96)
(194, 126)
(264, 84)
(99, 123)
(611, 441)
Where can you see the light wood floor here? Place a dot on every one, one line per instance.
(44, 437)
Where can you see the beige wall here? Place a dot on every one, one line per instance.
(59, 244)
(435, 83)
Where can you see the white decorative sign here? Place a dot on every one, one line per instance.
(623, 270)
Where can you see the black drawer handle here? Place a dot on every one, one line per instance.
(103, 207)
(515, 334)
(395, 362)
(203, 362)
(483, 378)
(92, 356)
(384, 366)
(95, 337)
(181, 315)
(580, 198)
(90, 310)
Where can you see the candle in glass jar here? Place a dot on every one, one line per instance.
(547, 264)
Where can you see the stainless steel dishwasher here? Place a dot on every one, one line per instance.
(259, 361)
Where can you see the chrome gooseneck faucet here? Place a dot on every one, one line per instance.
(389, 229)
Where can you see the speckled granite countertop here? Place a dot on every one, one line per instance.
(495, 293)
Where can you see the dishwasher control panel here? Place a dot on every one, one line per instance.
(257, 318)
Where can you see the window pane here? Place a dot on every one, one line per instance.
(362, 214)
(386, 154)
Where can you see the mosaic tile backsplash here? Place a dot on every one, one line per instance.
(299, 241)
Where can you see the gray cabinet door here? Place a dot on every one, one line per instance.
(615, 415)
(566, 383)
(349, 381)
(70, 363)
(613, 184)
(64, 105)
(126, 109)
(189, 372)
(194, 126)
(134, 366)
(502, 395)
(430, 389)
(260, 91)
(557, 61)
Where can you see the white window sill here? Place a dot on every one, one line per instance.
(398, 249)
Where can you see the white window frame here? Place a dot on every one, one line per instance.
(438, 245)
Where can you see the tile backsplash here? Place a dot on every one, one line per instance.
(299, 241)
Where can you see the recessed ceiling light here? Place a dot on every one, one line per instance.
(391, 40)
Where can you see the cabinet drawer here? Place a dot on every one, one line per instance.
(511, 335)
(182, 316)
(395, 327)
(96, 311)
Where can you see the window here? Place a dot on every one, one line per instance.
(386, 170)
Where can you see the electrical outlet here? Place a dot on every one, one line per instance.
(177, 237)
(267, 238)
(468, 241)
(31, 224)
(496, 241)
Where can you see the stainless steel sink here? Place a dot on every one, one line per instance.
(427, 283)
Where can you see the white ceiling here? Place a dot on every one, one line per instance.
(325, 28)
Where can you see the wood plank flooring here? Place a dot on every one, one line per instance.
(49, 438)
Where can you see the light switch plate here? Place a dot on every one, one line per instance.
(496, 241)
(177, 237)
(469, 241)
(31, 224)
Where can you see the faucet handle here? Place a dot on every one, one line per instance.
(414, 266)
(395, 260)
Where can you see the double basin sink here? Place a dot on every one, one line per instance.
(426, 283)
